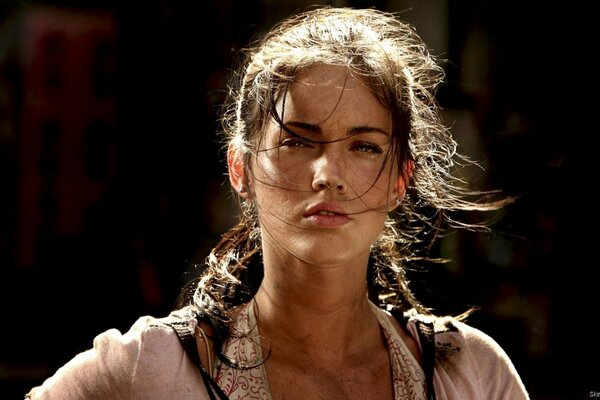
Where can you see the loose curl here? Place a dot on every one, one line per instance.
(393, 61)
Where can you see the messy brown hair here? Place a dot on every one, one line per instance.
(397, 66)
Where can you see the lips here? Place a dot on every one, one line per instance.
(325, 212)
(324, 209)
(326, 215)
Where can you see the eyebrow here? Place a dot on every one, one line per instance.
(355, 130)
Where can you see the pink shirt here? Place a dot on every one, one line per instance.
(148, 362)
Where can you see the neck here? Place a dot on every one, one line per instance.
(309, 308)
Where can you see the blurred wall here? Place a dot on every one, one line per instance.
(112, 178)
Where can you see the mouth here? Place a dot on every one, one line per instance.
(325, 209)
(328, 215)
(325, 212)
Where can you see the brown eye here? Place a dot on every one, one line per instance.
(366, 147)
(294, 142)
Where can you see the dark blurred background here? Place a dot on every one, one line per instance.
(112, 179)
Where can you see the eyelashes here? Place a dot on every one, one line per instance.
(295, 142)
(359, 146)
(366, 147)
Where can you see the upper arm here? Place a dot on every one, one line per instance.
(104, 371)
(496, 375)
(146, 362)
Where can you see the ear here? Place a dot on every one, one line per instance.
(399, 189)
(235, 165)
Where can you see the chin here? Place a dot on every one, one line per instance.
(326, 254)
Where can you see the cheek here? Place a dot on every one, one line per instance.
(269, 170)
(274, 187)
(370, 181)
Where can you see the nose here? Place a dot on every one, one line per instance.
(329, 171)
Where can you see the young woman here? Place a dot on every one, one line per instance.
(343, 169)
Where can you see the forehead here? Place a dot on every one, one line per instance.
(325, 94)
(328, 76)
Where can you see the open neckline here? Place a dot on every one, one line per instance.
(396, 348)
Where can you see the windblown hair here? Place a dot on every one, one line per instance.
(396, 65)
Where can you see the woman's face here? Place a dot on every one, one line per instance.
(324, 182)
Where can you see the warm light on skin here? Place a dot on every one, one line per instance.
(289, 174)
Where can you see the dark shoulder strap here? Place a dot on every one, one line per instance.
(427, 339)
(188, 341)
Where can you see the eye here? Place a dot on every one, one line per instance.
(294, 142)
(366, 147)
